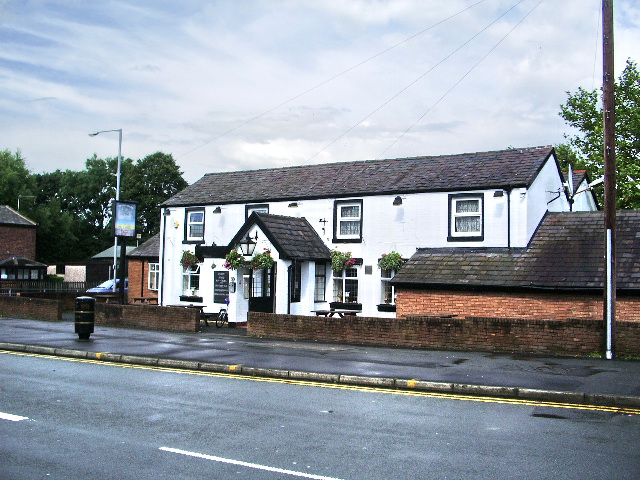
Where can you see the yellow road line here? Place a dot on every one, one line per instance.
(307, 383)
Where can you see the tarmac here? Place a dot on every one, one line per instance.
(567, 380)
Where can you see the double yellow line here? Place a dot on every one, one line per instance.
(306, 383)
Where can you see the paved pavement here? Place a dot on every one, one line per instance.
(558, 379)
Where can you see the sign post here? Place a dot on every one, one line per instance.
(124, 226)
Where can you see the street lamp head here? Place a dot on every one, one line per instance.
(93, 134)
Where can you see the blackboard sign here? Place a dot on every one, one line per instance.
(220, 286)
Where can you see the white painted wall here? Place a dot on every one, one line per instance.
(421, 221)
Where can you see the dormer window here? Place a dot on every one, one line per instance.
(347, 221)
(194, 225)
(466, 218)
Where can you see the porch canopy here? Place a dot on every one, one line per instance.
(294, 238)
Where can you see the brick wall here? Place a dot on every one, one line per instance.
(557, 337)
(537, 305)
(151, 317)
(138, 280)
(17, 241)
(24, 307)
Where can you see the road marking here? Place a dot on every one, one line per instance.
(339, 386)
(12, 418)
(246, 464)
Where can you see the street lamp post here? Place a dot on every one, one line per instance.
(115, 241)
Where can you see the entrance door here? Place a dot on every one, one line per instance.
(262, 289)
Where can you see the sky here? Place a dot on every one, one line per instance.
(236, 85)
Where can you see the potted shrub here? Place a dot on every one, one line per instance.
(262, 260)
(391, 261)
(189, 259)
(234, 260)
(341, 260)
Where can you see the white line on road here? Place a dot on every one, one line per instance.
(13, 418)
(246, 464)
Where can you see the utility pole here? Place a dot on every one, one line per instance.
(609, 117)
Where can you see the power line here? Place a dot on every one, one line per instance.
(330, 79)
(411, 84)
(463, 77)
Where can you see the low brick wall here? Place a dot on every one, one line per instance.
(556, 337)
(150, 317)
(533, 305)
(68, 299)
(26, 307)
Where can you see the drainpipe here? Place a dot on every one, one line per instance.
(508, 217)
(165, 214)
(289, 272)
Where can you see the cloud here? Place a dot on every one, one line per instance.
(233, 85)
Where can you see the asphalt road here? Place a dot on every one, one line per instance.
(98, 420)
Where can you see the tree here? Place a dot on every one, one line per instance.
(15, 178)
(583, 111)
(150, 182)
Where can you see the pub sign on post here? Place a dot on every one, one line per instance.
(124, 214)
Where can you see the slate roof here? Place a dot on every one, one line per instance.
(8, 216)
(578, 177)
(567, 252)
(149, 249)
(21, 261)
(485, 170)
(294, 238)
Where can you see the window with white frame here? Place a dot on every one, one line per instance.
(154, 276)
(347, 221)
(191, 280)
(465, 217)
(345, 286)
(388, 292)
(194, 225)
(319, 293)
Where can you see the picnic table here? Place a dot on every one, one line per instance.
(340, 312)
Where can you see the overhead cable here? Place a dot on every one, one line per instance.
(330, 79)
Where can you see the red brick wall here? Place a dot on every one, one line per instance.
(17, 241)
(151, 317)
(139, 280)
(24, 307)
(537, 305)
(568, 337)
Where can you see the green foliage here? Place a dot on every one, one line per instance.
(234, 260)
(73, 208)
(189, 259)
(261, 260)
(15, 179)
(153, 180)
(391, 261)
(583, 111)
(341, 260)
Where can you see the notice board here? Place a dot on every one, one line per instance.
(220, 286)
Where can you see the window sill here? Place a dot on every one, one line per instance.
(386, 307)
(476, 238)
(190, 298)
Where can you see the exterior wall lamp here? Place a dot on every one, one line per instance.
(248, 245)
(397, 201)
(217, 210)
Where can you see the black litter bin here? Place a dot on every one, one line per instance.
(85, 316)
